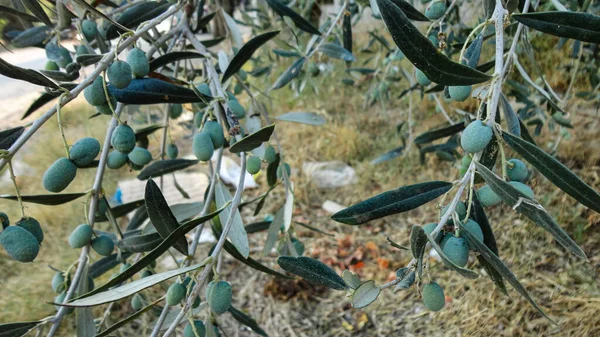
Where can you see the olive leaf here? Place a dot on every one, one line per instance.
(273, 232)
(392, 202)
(572, 25)
(388, 155)
(237, 234)
(410, 12)
(289, 74)
(473, 52)
(38, 11)
(250, 262)
(422, 53)
(107, 263)
(256, 227)
(131, 17)
(45, 98)
(253, 140)
(418, 241)
(88, 59)
(462, 271)
(127, 319)
(347, 33)
(121, 210)
(34, 36)
(140, 243)
(27, 75)
(336, 51)
(512, 120)
(309, 118)
(17, 329)
(45, 199)
(312, 270)
(9, 136)
(162, 167)
(555, 171)
(146, 131)
(84, 317)
(18, 14)
(152, 91)
(365, 294)
(246, 53)
(352, 280)
(247, 321)
(165, 59)
(283, 10)
(436, 134)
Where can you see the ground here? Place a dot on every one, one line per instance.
(564, 286)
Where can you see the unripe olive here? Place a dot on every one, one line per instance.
(94, 93)
(253, 165)
(313, 69)
(175, 110)
(105, 108)
(59, 175)
(124, 267)
(474, 229)
(4, 221)
(52, 66)
(428, 228)
(198, 116)
(299, 246)
(198, 326)
(89, 29)
(202, 146)
(123, 138)
(60, 299)
(460, 93)
(236, 108)
(139, 62)
(524, 189)
(476, 136)
(81, 50)
(146, 273)
(466, 161)
(215, 131)
(137, 302)
(288, 171)
(119, 74)
(487, 197)
(457, 250)
(84, 151)
(175, 294)
(58, 282)
(435, 10)
(33, 227)
(461, 210)
(237, 89)
(231, 96)
(116, 160)
(65, 57)
(433, 297)
(81, 236)
(103, 245)
(19, 243)
(517, 171)
(172, 151)
(140, 156)
(204, 89)
(270, 154)
(421, 78)
(219, 296)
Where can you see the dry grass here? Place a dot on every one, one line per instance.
(565, 287)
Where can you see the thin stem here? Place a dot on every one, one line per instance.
(492, 106)
(439, 105)
(60, 127)
(329, 31)
(17, 192)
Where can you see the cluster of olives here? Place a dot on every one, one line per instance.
(435, 10)
(125, 151)
(517, 172)
(21, 241)
(458, 93)
(83, 235)
(60, 285)
(62, 172)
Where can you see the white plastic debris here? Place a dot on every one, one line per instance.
(332, 207)
(230, 173)
(329, 174)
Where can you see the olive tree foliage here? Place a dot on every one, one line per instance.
(130, 65)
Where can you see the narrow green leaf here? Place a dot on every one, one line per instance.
(246, 53)
(38, 11)
(312, 270)
(250, 262)
(153, 91)
(34, 36)
(309, 118)
(410, 12)
(27, 75)
(162, 167)
(146, 131)
(571, 25)
(392, 202)
(45, 199)
(418, 241)
(314, 229)
(473, 51)
(248, 321)
(272, 171)
(388, 155)
(347, 33)
(18, 14)
(395, 244)
(127, 319)
(253, 140)
(365, 294)
(256, 227)
(9, 136)
(140, 243)
(237, 234)
(289, 74)
(161, 217)
(107, 263)
(467, 273)
(121, 210)
(171, 57)
(273, 232)
(336, 51)
(131, 17)
(512, 120)
(186, 211)
(88, 59)
(422, 53)
(283, 10)
(436, 134)
(84, 317)
(16, 329)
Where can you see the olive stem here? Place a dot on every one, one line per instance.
(439, 104)
(60, 127)
(17, 192)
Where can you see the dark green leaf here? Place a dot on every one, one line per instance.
(531, 209)
(153, 91)
(312, 270)
(410, 12)
(137, 219)
(336, 51)
(362, 71)
(254, 140)
(292, 72)
(247, 321)
(512, 120)
(45, 98)
(34, 36)
(388, 155)
(430, 136)
(283, 10)
(462, 271)
(501, 268)
(571, 25)
(250, 262)
(161, 217)
(159, 168)
(555, 171)
(392, 202)
(9, 137)
(418, 241)
(165, 59)
(347, 33)
(422, 53)
(38, 11)
(256, 227)
(133, 16)
(395, 244)
(106, 263)
(186, 211)
(286, 53)
(121, 210)
(18, 14)
(246, 52)
(473, 52)
(146, 131)
(140, 243)
(46, 199)
(272, 171)
(88, 59)
(27, 75)
(60, 76)
(16, 329)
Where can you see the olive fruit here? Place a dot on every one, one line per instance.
(140, 156)
(524, 189)
(435, 10)
(172, 151)
(104, 108)
(215, 131)
(103, 245)
(139, 62)
(204, 89)
(517, 170)
(433, 296)
(84, 151)
(19, 243)
(253, 165)
(421, 78)
(175, 110)
(65, 57)
(198, 116)
(298, 246)
(288, 171)
(200, 329)
(202, 146)
(59, 175)
(476, 136)
(487, 197)
(175, 293)
(124, 267)
(456, 249)
(459, 93)
(123, 138)
(89, 29)
(33, 227)
(51, 65)
(461, 210)
(428, 228)
(58, 282)
(4, 221)
(473, 228)
(94, 93)
(81, 236)
(313, 69)
(237, 109)
(116, 160)
(218, 296)
(146, 273)
(270, 154)
(137, 302)
(119, 74)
